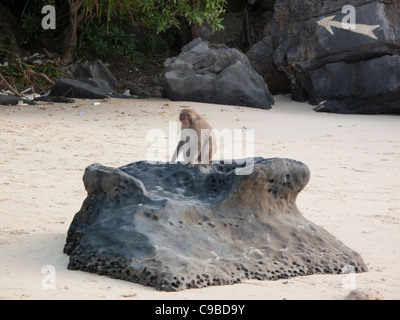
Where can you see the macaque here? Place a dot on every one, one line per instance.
(196, 138)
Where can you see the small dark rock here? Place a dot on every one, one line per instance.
(97, 70)
(12, 100)
(81, 88)
(54, 99)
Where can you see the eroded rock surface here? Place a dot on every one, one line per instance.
(171, 227)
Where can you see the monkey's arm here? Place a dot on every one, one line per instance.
(177, 151)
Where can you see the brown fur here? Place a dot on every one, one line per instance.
(190, 119)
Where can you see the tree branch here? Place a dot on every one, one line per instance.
(12, 89)
(46, 78)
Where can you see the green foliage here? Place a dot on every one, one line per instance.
(112, 37)
(158, 19)
(160, 14)
(50, 69)
(96, 40)
(105, 32)
(164, 14)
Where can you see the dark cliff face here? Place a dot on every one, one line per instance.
(341, 56)
(341, 68)
(173, 228)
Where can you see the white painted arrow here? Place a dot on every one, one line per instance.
(363, 29)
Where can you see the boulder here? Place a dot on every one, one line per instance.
(96, 69)
(173, 227)
(81, 88)
(85, 88)
(89, 80)
(327, 60)
(210, 73)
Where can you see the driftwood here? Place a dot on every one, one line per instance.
(30, 76)
(9, 86)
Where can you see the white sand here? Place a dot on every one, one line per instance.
(353, 191)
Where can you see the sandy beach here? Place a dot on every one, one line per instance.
(353, 192)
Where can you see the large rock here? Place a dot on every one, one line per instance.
(81, 88)
(97, 70)
(325, 61)
(171, 227)
(205, 72)
(84, 88)
(89, 80)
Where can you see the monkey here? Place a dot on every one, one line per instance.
(197, 135)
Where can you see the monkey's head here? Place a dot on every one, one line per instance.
(186, 117)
